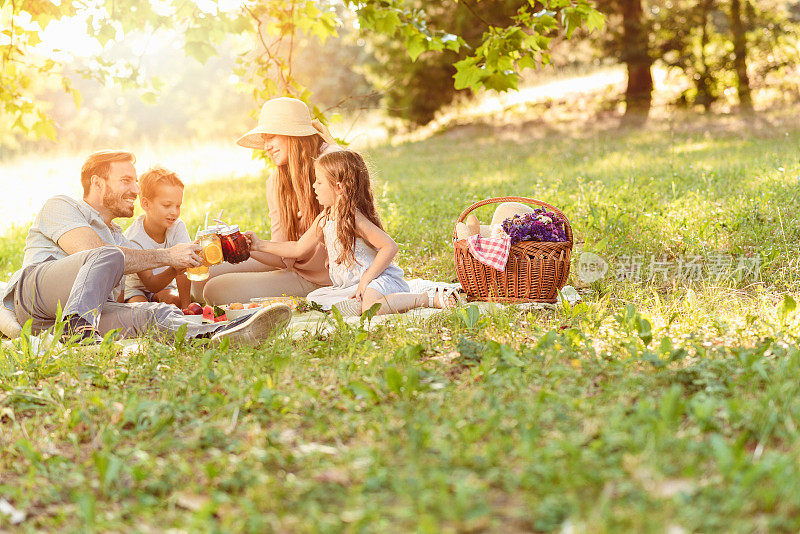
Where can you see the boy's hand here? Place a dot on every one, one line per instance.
(184, 255)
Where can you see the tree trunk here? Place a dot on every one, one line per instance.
(703, 81)
(636, 56)
(740, 58)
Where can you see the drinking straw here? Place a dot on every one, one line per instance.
(206, 224)
(220, 213)
(197, 233)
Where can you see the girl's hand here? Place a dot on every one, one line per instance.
(362, 287)
(253, 240)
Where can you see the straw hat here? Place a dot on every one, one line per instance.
(509, 209)
(284, 116)
(501, 213)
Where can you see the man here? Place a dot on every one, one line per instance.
(76, 256)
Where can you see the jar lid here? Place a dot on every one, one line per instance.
(211, 230)
(230, 229)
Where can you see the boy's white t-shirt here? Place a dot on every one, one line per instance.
(177, 233)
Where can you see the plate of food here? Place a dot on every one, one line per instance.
(196, 313)
(292, 302)
(237, 309)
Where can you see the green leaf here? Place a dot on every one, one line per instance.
(362, 390)
(388, 23)
(572, 20)
(509, 356)
(394, 380)
(149, 98)
(470, 316)
(468, 76)
(545, 341)
(786, 308)
(595, 20)
(105, 34)
(33, 38)
(527, 62)
(367, 315)
(200, 50)
(452, 42)
(671, 407)
(502, 81)
(644, 330)
(44, 129)
(179, 338)
(338, 320)
(471, 351)
(410, 352)
(323, 29)
(416, 45)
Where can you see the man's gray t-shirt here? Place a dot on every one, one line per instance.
(58, 216)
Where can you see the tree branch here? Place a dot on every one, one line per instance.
(474, 13)
(272, 58)
(7, 55)
(291, 38)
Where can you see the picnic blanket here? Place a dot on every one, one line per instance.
(318, 323)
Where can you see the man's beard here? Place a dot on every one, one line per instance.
(117, 205)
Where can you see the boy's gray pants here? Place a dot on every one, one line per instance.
(81, 283)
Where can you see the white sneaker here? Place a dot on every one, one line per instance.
(257, 327)
(9, 326)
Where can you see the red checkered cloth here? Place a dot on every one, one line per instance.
(492, 251)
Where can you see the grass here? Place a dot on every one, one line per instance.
(650, 405)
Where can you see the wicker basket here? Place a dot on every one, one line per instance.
(536, 270)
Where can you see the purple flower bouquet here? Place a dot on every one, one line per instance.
(541, 225)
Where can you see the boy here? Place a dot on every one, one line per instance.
(159, 227)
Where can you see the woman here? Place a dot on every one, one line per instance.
(293, 141)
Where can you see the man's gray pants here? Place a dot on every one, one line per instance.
(81, 284)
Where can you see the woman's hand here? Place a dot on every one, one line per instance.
(253, 240)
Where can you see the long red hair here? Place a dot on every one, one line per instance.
(349, 169)
(295, 185)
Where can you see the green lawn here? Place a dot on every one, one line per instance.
(653, 404)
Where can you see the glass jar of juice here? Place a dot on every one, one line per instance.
(211, 253)
(235, 248)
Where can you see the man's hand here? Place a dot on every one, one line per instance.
(184, 255)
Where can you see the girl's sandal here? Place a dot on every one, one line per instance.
(349, 307)
(448, 298)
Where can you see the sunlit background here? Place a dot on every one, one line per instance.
(188, 114)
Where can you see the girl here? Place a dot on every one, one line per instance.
(360, 253)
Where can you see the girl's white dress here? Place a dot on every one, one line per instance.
(345, 278)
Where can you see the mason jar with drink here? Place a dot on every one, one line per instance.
(211, 252)
(235, 248)
(222, 242)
